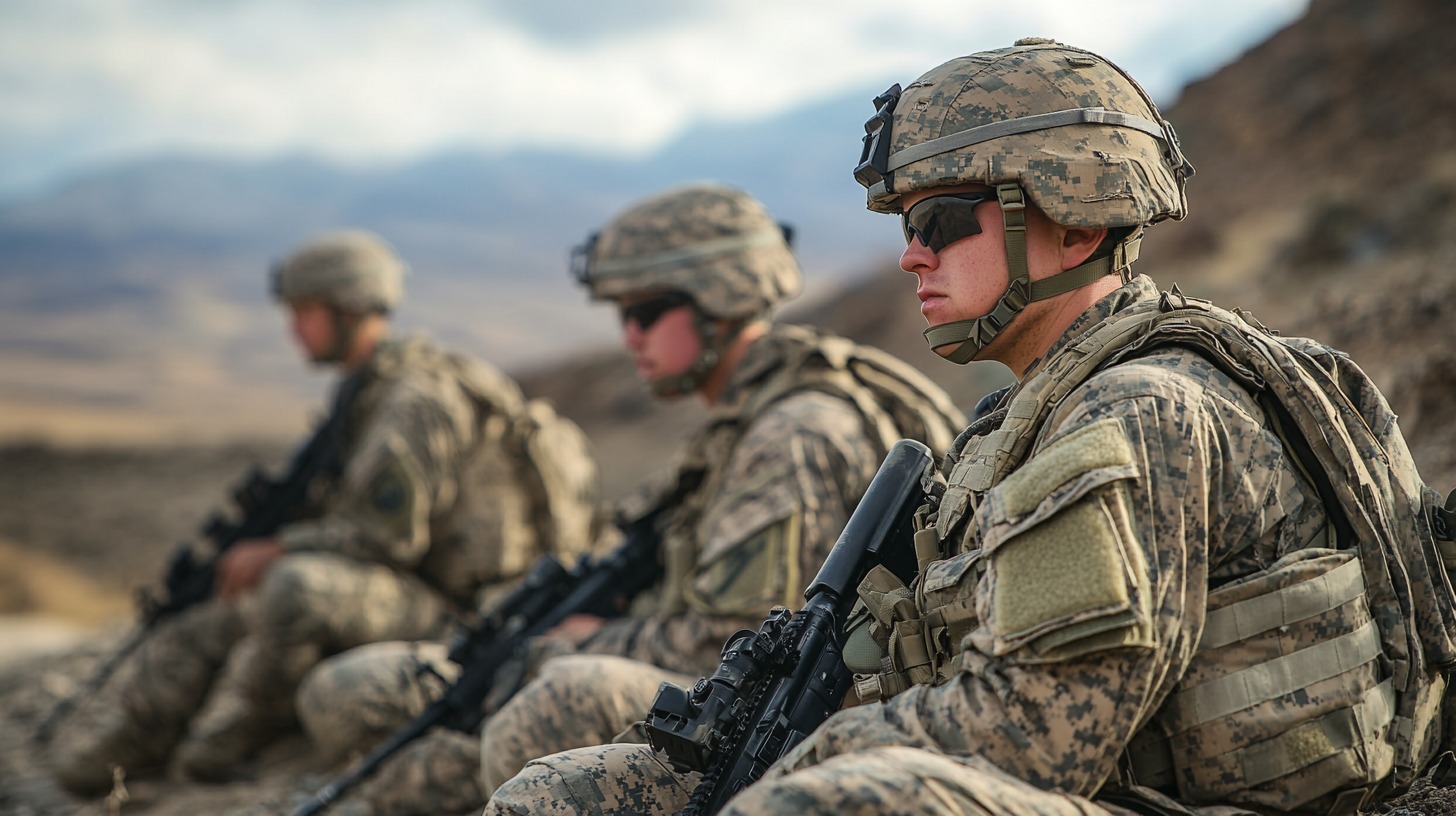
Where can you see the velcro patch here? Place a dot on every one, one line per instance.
(391, 494)
(1101, 444)
(1072, 584)
(758, 573)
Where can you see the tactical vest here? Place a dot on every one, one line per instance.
(1318, 681)
(894, 400)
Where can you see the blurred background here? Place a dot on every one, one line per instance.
(157, 155)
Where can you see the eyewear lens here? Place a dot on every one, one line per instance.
(648, 312)
(940, 221)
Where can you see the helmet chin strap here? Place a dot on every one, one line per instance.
(970, 336)
(714, 342)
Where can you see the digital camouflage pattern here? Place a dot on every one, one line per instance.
(353, 270)
(1041, 123)
(437, 505)
(778, 468)
(576, 700)
(884, 781)
(781, 464)
(351, 703)
(625, 779)
(1089, 174)
(714, 242)
(1154, 480)
(355, 700)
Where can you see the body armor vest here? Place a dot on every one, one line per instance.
(1318, 679)
(893, 399)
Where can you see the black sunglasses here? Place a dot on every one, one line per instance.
(647, 312)
(940, 221)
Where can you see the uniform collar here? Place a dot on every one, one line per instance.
(1140, 288)
(763, 356)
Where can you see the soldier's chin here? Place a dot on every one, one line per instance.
(323, 359)
(667, 388)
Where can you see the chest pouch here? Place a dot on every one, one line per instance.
(895, 643)
(1287, 699)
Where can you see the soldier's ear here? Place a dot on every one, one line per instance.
(1079, 244)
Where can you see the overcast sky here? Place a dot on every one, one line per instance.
(88, 82)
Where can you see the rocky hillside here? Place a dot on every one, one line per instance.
(1326, 198)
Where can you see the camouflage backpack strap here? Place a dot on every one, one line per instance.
(920, 409)
(894, 400)
(1340, 425)
(985, 459)
(1382, 610)
(804, 365)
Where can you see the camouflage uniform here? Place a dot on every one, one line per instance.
(1049, 724)
(771, 507)
(774, 497)
(774, 474)
(1110, 566)
(430, 509)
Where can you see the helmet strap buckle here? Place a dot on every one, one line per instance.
(1013, 216)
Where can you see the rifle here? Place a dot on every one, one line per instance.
(263, 506)
(549, 594)
(776, 685)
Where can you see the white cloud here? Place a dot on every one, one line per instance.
(84, 81)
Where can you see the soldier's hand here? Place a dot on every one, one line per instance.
(241, 567)
(576, 628)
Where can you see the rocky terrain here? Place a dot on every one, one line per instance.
(1325, 202)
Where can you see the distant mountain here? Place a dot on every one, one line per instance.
(459, 219)
(125, 294)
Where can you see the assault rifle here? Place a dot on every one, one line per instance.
(263, 505)
(550, 593)
(776, 685)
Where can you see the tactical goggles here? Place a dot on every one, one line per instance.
(645, 313)
(940, 221)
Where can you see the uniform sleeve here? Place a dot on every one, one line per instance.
(790, 485)
(404, 466)
(1092, 603)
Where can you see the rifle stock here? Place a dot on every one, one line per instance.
(602, 587)
(778, 684)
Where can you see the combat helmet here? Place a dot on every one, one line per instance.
(1041, 121)
(354, 271)
(714, 243)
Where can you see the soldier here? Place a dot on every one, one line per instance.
(800, 421)
(442, 491)
(1153, 596)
